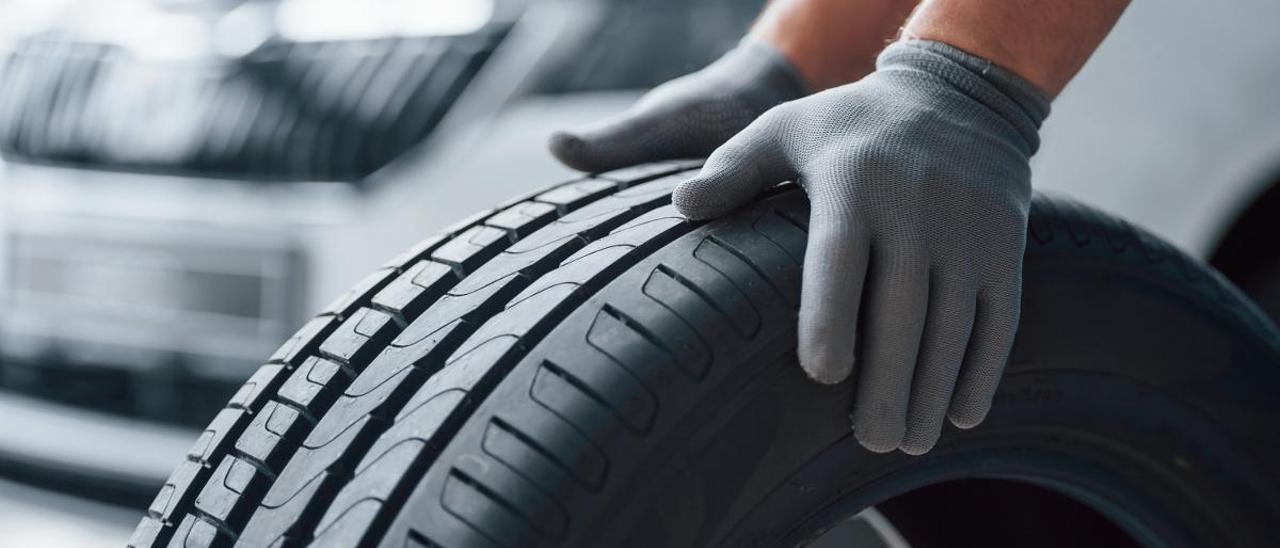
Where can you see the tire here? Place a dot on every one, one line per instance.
(585, 368)
(1263, 286)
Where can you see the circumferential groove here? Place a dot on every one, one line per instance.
(541, 267)
(312, 345)
(307, 344)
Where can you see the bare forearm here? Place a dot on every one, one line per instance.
(831, 42)
(1044, 41)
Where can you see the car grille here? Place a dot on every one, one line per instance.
(316, 111)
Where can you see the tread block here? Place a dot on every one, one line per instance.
(305, 341)
(774, 264)
(646, 229)
(741, 275)
(312, 461)
(272, 435)
(146, 534)
(574, 195)
(562, 391)
(350, 411)
(658, 189)
(360, 337)
(175, 491)
(466, 500)
(522, 219)
(348, 529)
(503, 271)
(343, 306)
(791, 236)
(419, 421)
(692, 307)
(226, 497)
(513, 491)
(416, 253)
(458, 318)
(410, 293)
(254, 391)
(471, 248)
(557, 451)
(195, 532)
(381, 475)
(215, 438)
(274, 525)
(638, 174)
(666, 332)
(308, 388)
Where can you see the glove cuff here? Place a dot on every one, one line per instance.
(1015, 99)
(769, 67)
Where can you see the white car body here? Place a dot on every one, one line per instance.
(1174, 124)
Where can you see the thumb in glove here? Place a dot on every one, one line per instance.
(687, 117)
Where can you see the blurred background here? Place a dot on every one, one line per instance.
(184, 181)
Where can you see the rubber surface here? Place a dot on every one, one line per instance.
(583, 367)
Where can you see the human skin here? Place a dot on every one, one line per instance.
(907, 169)
(834, 42)
(831, 42)
(917, 165)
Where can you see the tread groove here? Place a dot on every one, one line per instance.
(533, 445)
(733, 250)
(648, 335)
(693, 288)
(157, 527)
(491, 305)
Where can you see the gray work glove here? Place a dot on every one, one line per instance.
(687, 117)
(919, 187)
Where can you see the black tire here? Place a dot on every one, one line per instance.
(585, 368)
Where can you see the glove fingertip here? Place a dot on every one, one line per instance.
(969, 417)
(874, 438)
(692, 200)
(915, 443)
(824, 368)
(916, 449)
(715, 191)
(571, 149)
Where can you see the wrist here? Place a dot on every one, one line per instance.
(1036, 74)
(1045, 42)
(964, 77)
(826, 54)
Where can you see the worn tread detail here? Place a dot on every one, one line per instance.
(271, 417)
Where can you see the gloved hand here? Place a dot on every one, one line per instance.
(687, 117)
(919, 187)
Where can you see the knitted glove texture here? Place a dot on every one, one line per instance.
(919, 186)
(687, 117)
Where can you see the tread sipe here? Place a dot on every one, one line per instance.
(270, 466)
(508, 384)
